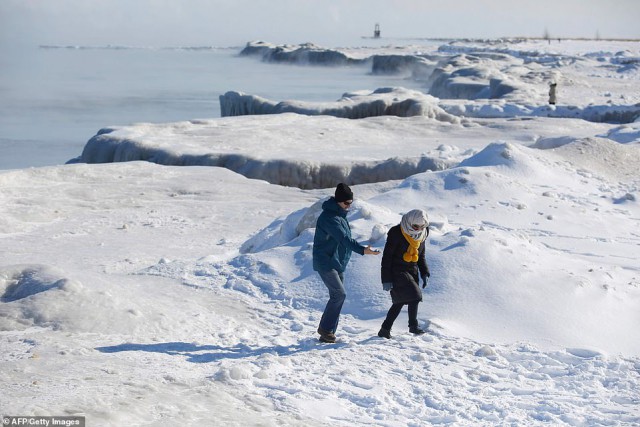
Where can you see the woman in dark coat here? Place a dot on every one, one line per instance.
(403, 262)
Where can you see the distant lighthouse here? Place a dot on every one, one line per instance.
(376, 32)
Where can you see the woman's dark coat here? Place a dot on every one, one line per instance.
(403, 275)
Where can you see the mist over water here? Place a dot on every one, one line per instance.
(55, 99)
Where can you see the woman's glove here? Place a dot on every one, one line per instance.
(387, 286)
(425, 280)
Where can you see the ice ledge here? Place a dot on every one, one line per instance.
(304, 54)
(399, 102)
(403, 102)
(302, 174)
(287, 149)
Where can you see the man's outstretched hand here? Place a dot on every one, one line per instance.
(369, 251)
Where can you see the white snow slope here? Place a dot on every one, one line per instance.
(140, 294)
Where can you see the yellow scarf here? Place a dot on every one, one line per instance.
(411, 255)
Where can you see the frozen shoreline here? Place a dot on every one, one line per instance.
(136, 293)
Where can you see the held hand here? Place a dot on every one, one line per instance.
(369, 251)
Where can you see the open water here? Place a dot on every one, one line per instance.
(54, 99)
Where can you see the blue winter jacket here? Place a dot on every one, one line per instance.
(332, 243)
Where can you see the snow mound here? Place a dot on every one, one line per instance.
(506, 248)
(478, 76)
(503, 157)
(45, 297)
(23, 281)
(277, 263)
(596, 155)
(399, 102)
(603, 157)
(493, 155)
(625, 134)
(36, 295)
(555, 142)
(283, 231)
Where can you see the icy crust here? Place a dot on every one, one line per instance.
(399, 102)
(44, 296)
(18, 282)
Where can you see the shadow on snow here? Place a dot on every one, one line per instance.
(196, 353)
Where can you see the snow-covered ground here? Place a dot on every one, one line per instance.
(143, 294)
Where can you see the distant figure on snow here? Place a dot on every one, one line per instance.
(332, 247)
(403, 261)
(552, 93)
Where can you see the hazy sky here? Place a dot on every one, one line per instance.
(325, 22)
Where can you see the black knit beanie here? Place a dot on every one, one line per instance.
(343, 193)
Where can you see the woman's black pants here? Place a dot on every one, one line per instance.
(394, 311)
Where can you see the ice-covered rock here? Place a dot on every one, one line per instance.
(609, 113)
(23, 281)
(309, 157)
(418, 67)
(477, 76)
(303, 54)
(399, 102)
(495, 48)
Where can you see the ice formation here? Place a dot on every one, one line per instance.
(480, 79)
(304, 54)
(356, 105)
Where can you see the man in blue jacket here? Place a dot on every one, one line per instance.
(332, 247)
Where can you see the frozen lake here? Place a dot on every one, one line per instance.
(55, 99)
